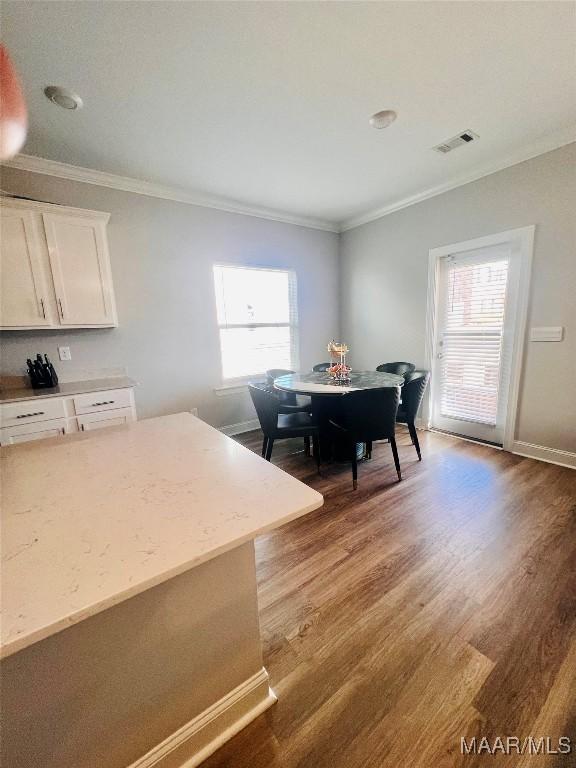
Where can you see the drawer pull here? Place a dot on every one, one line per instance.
(28, 415)
(104, 402)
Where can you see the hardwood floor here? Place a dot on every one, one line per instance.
(403, 616)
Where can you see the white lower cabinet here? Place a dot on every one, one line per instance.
(106, 419)
(26, 432)
(56, 416)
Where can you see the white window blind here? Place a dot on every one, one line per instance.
(257, 320)
(471, 338)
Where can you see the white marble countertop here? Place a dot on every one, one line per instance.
(65, 389)
(93, 519)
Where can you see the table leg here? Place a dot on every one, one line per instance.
(332, 448)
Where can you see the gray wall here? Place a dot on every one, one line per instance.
(384, 274)
(162, 255)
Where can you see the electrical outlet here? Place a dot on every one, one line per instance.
(64, 353)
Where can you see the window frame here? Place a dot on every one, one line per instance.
(292, 324)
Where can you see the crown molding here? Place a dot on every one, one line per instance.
(138, 186)
(541, 147)
(45, 167)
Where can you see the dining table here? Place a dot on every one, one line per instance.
(326, 395)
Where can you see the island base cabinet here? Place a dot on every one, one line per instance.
(163, 678)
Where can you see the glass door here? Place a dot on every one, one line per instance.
(473, 340)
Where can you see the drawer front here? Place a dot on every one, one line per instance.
(29, 411)
(37, 431)
(105, 419)
(103, 401)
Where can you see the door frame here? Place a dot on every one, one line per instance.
(521, 242)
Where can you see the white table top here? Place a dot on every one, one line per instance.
(92, 519)
(322, 383)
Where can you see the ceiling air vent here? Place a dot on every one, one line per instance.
(456, 141)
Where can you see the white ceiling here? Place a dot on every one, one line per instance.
(267, 103)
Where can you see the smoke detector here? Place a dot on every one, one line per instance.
(466, 137)
(63, 97)
(383, 119)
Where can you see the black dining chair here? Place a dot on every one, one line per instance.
(400, 369)
(279, 421)
(273, 373)
(366, 416)
(290, 399)
(321, 367)
(412, 394)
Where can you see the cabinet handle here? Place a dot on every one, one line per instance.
(104, 402)
(27, 415)
(61, 310)
(82, 427)
(43, 310)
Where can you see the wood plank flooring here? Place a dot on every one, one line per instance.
(403, 616)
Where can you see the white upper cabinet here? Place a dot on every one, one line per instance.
(80, 269)
(23, 294)
(55, 267)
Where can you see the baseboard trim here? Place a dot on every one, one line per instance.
(242, 426)
(542, 453)
(203, 735)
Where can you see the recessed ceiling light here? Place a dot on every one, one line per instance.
(63, 97)
(383, 119)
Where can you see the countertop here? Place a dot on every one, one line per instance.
(92, 519)
(66, 389)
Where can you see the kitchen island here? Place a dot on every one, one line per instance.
(130, 629)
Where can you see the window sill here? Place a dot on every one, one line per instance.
(236, 387)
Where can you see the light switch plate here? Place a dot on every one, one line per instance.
(551, 333)
(64, 353)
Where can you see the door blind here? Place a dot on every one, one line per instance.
(470, 344)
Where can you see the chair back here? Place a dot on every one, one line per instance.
(274, 373)
(400, 369)
(266, 404)
(369, 414)
(413, 392)
(288, 398)
(321, 367)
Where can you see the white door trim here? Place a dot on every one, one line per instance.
(522, 241)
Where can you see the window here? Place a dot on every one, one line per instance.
(257, 319)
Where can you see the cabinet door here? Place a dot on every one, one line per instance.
(23, 301)
(38, 431)
(80, 266)
(105, 419)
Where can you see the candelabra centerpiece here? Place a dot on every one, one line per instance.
(339, 371)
